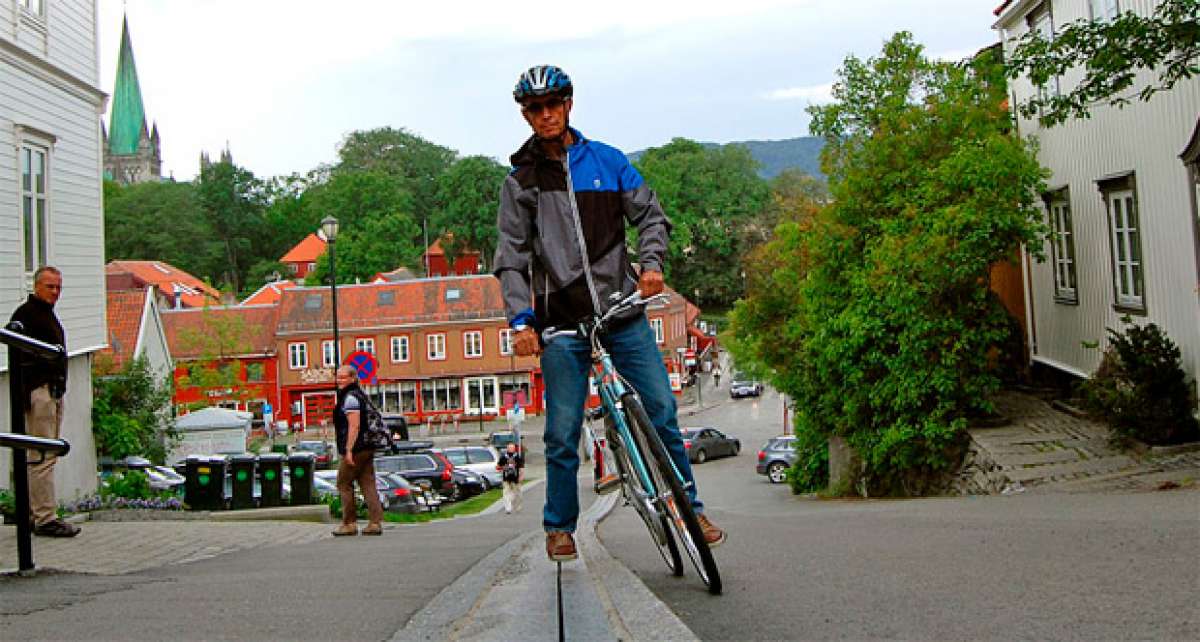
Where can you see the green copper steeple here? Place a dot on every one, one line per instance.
(128, 117)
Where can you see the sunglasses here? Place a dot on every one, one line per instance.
(537, 107)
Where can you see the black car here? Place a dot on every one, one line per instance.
(400, 493)
(397, 425)
(467, 484)
(322, 449)
(421, 467)
(705, 443)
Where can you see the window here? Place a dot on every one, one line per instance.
(515, 389)
(32, 6)
(297, 356)
(1126, 249)
(657, 324)
(1105, 9)
(1042, 21)
(254, 372)
(441, 394)
(506, 346)
(400, 349)
(312, 267)
(436, 347)
(34, 228)
(473, 344)
(328, 355)
(1063, 250)
(365, 345)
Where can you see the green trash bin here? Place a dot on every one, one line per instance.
(300, 473)
(270, 473)
(242, 467)
(204, 484)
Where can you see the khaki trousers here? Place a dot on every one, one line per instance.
(512, 496)
(363, 472)
(43, 419)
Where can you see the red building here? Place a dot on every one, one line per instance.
(467, 262)
(174, 287)
(302, 259)
(241, 337)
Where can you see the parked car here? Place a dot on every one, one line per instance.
(325, 483)
(165, 478)
(477, 459)
(775, 457)
(322, 449)
(427, 466)
(467, 484)
(743, 386)
(398, 426)
(706, 443)
(500, 439)
(161, 478)
(401, 495)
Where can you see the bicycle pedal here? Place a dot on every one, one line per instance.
(607, 485)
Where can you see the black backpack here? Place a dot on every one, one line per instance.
(373, 434)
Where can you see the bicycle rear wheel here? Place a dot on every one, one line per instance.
(681, 515)
(641, 499)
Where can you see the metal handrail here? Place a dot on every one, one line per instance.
(11, 336)
(58, 447)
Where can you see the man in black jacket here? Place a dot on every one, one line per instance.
(357, 460)
(43, 385)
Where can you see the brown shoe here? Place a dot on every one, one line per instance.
(712, 535)
(560, 546)
(373, 529)
(607, 484)
(345, 530)
(56, 528)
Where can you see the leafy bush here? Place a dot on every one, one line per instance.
(131, 484)
(334, 502)
(1140, 389)
(130, 412)
(810, 473)
(8, 502)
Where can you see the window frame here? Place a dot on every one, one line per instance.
(297, 349)
(1125, 238)
(504, 336)
(39, 12)
(37, 251)
(365, 344)
(1064, 265)
(396, 340)
(430, 355)
(1111, 8)
(660, 334)
(1043, 14)
(328, 354)
(468, 339)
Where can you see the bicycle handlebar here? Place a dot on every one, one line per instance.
(628, 303)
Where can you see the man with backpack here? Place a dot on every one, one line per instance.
(511, 466)
(357, 458)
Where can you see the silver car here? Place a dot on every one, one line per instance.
(480, 460)
(776, 457)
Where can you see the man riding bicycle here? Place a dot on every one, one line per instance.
(561, 246)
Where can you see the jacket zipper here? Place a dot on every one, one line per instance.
(587, 266)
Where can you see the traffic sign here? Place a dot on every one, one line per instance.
(366, 365)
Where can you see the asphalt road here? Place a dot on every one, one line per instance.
(1046, 566)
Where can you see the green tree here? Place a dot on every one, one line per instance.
(711, 195)
(876, 316)
(232, 201)
(469, 197)
(131, 412)
(215, 370)
(1113, 53)
(160, 221)
(402, 155)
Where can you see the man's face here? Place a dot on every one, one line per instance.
(344, 377)
(547, 115)
(48, 287)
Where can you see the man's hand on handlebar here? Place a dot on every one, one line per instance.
(650, 283)
(526, 343)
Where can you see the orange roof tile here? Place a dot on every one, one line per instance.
(193, 292)
(372, 305)
(124, 312)
(305, 251)
(435, 249)
(183, 326)
(268, 294)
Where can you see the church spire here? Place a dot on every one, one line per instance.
(128, 118)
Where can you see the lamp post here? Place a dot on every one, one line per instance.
(329, 227)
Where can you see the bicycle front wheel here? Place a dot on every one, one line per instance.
(672, 495)
(642, 500)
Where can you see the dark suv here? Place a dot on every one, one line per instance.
(421, 467)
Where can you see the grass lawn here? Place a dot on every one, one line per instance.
(466, 507)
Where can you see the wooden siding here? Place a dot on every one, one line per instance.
(1143, 138)
(36, 95)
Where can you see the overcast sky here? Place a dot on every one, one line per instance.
(284, 80)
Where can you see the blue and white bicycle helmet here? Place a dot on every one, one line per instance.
(543, 80)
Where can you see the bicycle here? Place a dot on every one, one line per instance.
(650, 482)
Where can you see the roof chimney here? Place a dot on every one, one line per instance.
(178, 296)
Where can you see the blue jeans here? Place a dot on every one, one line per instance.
(566, 364)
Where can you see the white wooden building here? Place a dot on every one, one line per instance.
(51, 197)
(1122, 198)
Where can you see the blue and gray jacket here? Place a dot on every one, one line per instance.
(550, 210)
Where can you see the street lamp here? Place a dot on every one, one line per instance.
(329, 227)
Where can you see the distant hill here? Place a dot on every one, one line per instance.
(777, 155)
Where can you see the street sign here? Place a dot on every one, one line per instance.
(366, 365)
